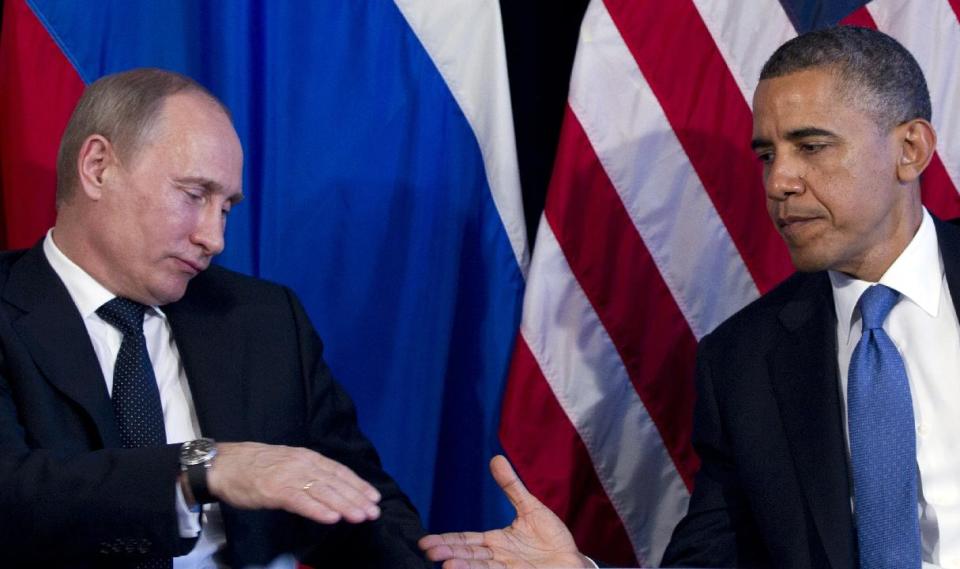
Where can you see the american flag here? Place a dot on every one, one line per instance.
(654, 232)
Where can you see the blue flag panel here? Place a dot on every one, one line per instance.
(809, 15)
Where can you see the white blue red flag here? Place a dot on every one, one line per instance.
(381, 183)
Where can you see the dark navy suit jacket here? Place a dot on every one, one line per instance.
(70, 497)
(774, 486)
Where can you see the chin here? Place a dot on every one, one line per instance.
(169, 293)
(807, 263)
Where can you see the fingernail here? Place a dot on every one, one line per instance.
(331, 517)
(373, 512)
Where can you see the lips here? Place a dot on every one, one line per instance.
(192, 266)
(793, 226)
(788, 220)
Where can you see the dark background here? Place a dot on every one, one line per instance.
(541, 38)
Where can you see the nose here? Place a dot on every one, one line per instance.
(208, 233)
(782, 179)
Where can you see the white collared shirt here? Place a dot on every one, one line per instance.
(923, 325)
(179, 414)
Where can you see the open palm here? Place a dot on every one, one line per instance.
(536, 538)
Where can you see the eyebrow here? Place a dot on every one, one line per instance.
(794, 135)
(209, 186)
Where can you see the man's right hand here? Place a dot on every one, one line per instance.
(536, 538)
(298, 480)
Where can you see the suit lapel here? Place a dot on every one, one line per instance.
(53, 332)
(803, 369)
(207, 343)
(948, 238)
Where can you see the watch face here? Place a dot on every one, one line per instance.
(197, 452)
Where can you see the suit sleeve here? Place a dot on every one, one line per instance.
(63, 504)
(712, 533)
(389, 541)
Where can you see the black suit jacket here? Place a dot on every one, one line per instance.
(69, 496)
(774, 486)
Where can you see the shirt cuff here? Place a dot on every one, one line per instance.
(187, 520)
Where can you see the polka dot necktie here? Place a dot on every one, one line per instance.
(135, 398)
(883, 443)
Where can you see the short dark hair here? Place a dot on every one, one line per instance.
(873, 69)
(123, 108)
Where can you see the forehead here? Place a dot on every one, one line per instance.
(193, 137)
(806, 98)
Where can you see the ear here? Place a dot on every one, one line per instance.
(917, 143)
(95, 157)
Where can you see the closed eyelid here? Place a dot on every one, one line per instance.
(209, 187)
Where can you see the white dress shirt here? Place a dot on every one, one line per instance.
(179, 415)
(923, 326)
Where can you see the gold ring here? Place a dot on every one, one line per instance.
(308, 485)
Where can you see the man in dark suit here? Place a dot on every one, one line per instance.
(825, 417)
(155, 412)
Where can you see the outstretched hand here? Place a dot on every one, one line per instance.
(536, 538)
(298, 480)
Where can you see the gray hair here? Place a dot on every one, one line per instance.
(874, 71)
(123, 108)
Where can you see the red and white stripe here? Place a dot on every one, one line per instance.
(653, 233)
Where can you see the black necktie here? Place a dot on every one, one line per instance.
(136, 398)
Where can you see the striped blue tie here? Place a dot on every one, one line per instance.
(882, 443)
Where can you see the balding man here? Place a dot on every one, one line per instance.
(156, 411)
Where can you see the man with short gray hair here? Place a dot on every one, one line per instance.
(157, 411)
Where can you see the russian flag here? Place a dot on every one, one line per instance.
(382, 186)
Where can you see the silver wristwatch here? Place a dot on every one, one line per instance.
(195, 458)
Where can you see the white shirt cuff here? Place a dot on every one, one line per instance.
(187, 521)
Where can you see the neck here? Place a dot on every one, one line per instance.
(879, 258)
(72, 241)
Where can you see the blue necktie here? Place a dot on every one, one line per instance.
(135, 397)
(882, 443)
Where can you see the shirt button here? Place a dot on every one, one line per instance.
(923, 430)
